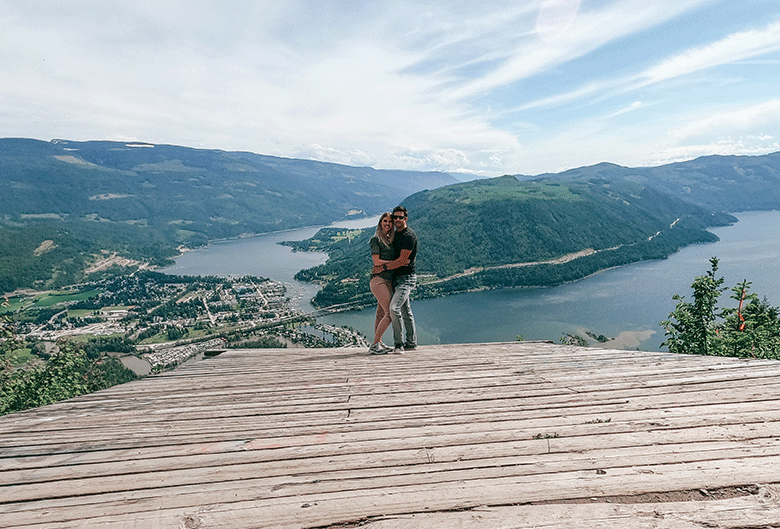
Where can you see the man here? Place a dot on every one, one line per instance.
(404, 281)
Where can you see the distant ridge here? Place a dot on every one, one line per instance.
(67, 204)
(724, 183)
(145, 200)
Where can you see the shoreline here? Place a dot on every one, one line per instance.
(185, 249)
(317, 226)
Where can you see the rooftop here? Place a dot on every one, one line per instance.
(517, 435)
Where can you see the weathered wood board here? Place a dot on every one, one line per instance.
(473, 435)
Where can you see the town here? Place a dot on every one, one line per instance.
(153, 321)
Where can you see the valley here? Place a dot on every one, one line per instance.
(85, 224)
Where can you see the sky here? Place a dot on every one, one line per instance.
(468, 87)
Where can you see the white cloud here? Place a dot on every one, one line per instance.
(556, 17)
(732, 49)
(586, 31)
(735, 47)
(726, 146)
(636, 105)
(403, 84)
(743, 119)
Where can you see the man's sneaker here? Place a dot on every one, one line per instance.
(378, 349)
(410, 346)
(399, 349)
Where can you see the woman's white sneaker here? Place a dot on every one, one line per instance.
(378, 348)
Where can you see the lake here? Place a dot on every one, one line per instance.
(261, 256)
(623, 303)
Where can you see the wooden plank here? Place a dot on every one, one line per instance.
(352, 399)
(303, 438)
(757, 511)
(412, 466)
(451, 437)
(364, 501)
(144, 457)
(643, 410)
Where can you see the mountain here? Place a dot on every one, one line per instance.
(210, 193)
(64, 202)
(484, 233)
(725, 183)
(508, 232)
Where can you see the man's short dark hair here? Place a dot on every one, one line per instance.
(401, 209)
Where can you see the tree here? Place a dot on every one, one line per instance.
(175, 333)
(62, 377)
(694, 331)
(752, 329)
(67, 374)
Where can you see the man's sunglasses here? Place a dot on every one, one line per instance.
(399, 217)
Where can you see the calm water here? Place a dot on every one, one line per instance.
(261, 256)
(624, 303)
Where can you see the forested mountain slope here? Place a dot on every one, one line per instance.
(63, 202)
(488, 224)
(207, 193)
(722, 183)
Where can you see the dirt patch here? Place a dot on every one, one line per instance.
(108, 196)
(627, 340)
(114, 260)
(69, 158)
(44, 247)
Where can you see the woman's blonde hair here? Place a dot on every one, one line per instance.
(380, 233)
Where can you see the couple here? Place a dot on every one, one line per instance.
(393, 250)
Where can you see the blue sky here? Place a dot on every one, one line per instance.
(486, 87)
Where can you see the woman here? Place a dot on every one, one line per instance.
(382, 280)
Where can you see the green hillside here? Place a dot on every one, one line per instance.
(64, 203)
(724, 183)
(488, 224)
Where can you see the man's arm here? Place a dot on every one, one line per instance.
(378, 262)
(402, 260)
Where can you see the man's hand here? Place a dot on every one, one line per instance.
(381, 268)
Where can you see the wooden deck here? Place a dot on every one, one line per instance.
(502, 435)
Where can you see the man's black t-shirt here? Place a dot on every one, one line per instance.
(405, 240)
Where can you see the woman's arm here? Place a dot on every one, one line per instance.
(381, 265)
(377, 260)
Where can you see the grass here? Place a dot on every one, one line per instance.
(45, 299)
(80, 313)
(20, 356)
(53, 298)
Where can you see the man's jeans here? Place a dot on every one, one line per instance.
(400, 309)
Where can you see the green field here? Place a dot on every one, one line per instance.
(45, 299)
